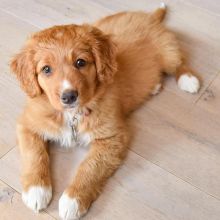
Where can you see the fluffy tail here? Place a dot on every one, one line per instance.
(160, 13)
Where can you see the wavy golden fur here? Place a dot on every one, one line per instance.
(126, 55)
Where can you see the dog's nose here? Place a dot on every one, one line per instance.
(69, 97)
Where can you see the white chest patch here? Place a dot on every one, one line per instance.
(69, 136)
(66, 137)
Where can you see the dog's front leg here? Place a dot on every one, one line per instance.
(104, 158)
(35, 177)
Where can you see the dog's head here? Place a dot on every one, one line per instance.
(67, 63)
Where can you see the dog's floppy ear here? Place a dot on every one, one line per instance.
(23, 66)
(104, 52)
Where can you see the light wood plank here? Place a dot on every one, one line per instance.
(43, 14)
(4, 148)
(163, 191)
(179, 138)
(11, 98)
(210, 100)
(210, 6)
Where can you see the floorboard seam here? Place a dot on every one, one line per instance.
(19, 18)
(208, 11)
(207, 87)
(7, 152)
(201, 190)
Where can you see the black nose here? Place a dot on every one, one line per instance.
(69, 97)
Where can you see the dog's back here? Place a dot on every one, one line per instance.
(146, 49)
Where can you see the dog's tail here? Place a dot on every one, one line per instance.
(160, 13)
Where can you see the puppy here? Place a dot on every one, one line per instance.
(82, 81)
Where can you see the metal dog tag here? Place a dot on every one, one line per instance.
(75, 128)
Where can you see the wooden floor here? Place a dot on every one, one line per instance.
(173, 166)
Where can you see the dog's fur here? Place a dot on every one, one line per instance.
(127, 54)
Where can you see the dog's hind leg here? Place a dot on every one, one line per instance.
(173, 62)
(187, 79)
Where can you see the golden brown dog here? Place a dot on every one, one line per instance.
(82, 82)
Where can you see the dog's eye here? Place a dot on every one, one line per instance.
(47, 70)
(80, 63)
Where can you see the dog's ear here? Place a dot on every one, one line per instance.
(104, 52)
(23, 66)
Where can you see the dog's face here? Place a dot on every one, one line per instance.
(67, 63)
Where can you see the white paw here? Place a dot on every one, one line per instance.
(189, 83)
(68, 208)
(37, 197)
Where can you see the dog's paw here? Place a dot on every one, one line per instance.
(37, 197)
(69, 208)
(189, 83)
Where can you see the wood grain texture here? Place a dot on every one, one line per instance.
(187, 140)
(11, 98)
(172, 170)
